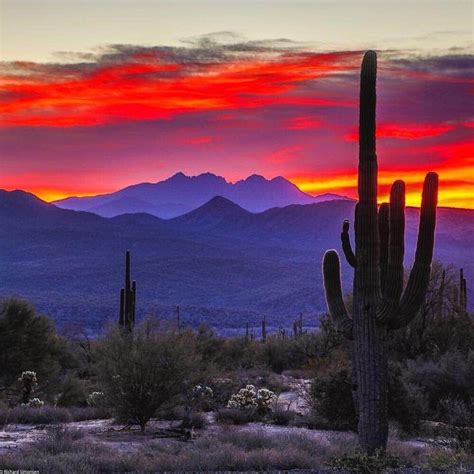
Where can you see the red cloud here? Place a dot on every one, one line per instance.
(198, 140)
(303, 123)
(148, 86)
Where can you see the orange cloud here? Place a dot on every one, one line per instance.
(456, 184)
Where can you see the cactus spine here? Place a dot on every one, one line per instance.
(127, 299)
(380, 304)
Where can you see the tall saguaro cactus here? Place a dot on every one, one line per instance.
(379, 302)
(127, 299)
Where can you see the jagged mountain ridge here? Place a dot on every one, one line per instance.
(180, 194)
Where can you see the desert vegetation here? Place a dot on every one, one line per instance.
(160, 398)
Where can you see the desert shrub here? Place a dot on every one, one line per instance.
(441, 325)
(43, 415)
(263, 377)
(450, 376)
(249, 398)
(96, 399)
(195, 420)
(59, 439)
(406, 404)
(72, 392)
(459, 419)
(174, 413)
(237, 416)
(331, 400)
(34, 403)
(358, 461)
(442, 460)
(283, 417)
(277, 355)
(28, 342)
(28, 383)
(223, 388)
(143, 372)
(89, 413)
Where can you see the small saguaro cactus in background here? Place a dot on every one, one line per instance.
(462, 292)
(264, 329)
(379, 302)
(127, 299)
(178, 319)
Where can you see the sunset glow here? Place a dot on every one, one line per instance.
(92, 122)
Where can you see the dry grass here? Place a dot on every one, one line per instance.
(254, 447)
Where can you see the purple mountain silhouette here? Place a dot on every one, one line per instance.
(181, 194)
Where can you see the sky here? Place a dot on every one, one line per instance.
(96, 95)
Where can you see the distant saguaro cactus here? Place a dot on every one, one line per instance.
(462, 292)
(127, 299)
(379, 304)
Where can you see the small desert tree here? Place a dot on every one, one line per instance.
(146, 370)
(28, 342)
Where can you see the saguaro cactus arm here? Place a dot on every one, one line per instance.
(418, 280)
(332, 285)
(396, 252)
(393, 285)
(346, 244)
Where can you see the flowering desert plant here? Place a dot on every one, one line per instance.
(251, 398)
(33, 403)
(202, 392)
(265, 398)
(95, 399)
(29, 382)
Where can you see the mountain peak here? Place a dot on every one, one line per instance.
(214, 211)
(221, 203)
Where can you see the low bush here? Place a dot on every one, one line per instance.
(283, 417)
(44, 415)
(237, 416)
(331, 400)
(224, 450)
(59, 439)
(360, 462)
(89, 413)
(442, 460)
(196, 420)
(458, 417)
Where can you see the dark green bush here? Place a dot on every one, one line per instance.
(283, 417)
(35, 416)
(358, 461)
(449, 376)
(195, 420)
(237, 416)
(331, 399)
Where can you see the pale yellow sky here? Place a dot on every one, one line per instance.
(34, 30)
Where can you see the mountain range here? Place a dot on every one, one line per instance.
(222, 264)
(180, 194)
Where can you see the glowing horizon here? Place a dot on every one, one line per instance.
(92, 121)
